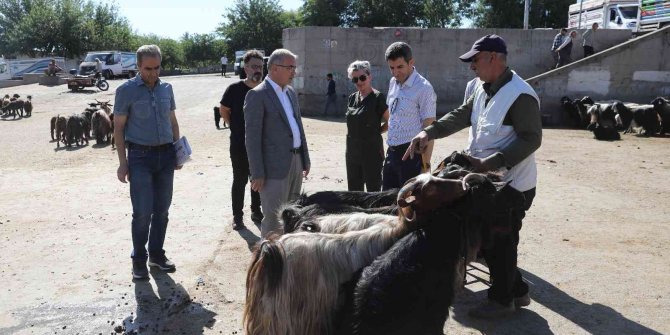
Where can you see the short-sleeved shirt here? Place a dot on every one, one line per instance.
(233, 98)
(224, 60)
(410, 103)
(148, 111)
(364, 116)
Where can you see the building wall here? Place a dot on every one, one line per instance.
(323, 50)
(635, 71)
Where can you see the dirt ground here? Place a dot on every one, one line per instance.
(594, 246)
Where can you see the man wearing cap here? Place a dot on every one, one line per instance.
(412, 101)
(505, 130)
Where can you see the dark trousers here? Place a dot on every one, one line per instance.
(217, 119)
(501, 257)
(364, 169)
(241, 173)
(563, 59)
(396, 171)
(151, 173)
(331, 102)
(588, 51)
(223, 69)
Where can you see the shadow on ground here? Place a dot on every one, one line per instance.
(592, 318)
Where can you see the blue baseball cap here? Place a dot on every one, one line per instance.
(493, 43)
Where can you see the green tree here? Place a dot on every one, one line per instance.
(509, 13)
(291, 19)
(252, 24)
(323, 12)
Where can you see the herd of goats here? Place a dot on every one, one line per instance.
(97, 120)
(606, 118)
(15, 106)
(385, 262)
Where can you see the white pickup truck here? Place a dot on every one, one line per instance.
(114, 63)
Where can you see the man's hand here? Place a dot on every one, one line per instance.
(257, 184)
(305, 172)
(418, 145)
(122, 173)
(178, 167)
(484, 164)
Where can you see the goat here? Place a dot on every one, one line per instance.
(74, 130)
(105, 105)
(296, 218)
(28, 106)
(111, 119)
(603, 122)
(351, 198)
(571, 112)
(61, 125)
(53, 126)
(102, 127)
(408, 290)
(662, 108)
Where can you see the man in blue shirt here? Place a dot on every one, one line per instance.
(145, 124)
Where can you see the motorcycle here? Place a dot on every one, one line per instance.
(77, 82)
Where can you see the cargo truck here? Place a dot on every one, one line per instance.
(654, 14)
(609, 14)
(114, 64)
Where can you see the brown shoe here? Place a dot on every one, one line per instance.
(492, 310)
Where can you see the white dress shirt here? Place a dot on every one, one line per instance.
(282, 94)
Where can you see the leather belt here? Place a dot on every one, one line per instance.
(296, 150)
(136, 146)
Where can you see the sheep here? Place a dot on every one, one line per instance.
(74, 130)
(408, 290)
(662, 108)
(61, 125)
(102, 127)
(28, 106)
(321, 263)
(297, 218)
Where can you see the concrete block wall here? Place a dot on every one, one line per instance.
(635, 71)
(323, 50)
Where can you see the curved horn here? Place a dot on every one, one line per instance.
(404, 195)
(472, 176)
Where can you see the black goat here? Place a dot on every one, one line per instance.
(662, 108)
(351, 198)
(571, 112)
(647, 118)
(408, 290)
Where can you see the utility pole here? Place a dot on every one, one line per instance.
(581, 4)
(525, 14)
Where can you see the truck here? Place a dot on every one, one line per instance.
(654, 14)
(16, 68)
(114, 64)
(608, 14)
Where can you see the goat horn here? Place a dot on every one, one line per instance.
(472, 176)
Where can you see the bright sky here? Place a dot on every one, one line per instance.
(172, 18)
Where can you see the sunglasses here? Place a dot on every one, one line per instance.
(362, 78)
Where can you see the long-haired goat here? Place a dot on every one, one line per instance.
(296, 218)
(662, 108)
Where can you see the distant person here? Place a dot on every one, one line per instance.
(367, 118)
(558, 41)
(52, 68)
(331, 96)
(589, 37)
(275, 139)
(98, 68)
(224, 65)
(232, 111)
(565, 50)
(148, 130)
(412, 102)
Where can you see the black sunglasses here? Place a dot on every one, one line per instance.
(361, 78)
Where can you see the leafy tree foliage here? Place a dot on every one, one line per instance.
(327, 13)
(509, 13)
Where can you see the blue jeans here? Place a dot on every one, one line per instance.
(151, 175)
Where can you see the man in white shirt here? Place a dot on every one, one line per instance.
(224, 65)
(275, 140)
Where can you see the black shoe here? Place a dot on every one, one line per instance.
(238, 223)
(162, 263)
(257, 216)
(140, 270)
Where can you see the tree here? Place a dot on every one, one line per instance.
(323, 12)
(253, 24)
(404, 13)
(509, 13)
(291, 19)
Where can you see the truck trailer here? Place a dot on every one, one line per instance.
(654, 14)
(608, 14)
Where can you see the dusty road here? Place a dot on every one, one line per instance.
(594, 247)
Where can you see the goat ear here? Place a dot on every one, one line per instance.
(500, 185)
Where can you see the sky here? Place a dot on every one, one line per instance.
(172, 18)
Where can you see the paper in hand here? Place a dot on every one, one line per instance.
(183, 151)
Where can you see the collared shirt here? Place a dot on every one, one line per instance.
(224, 60)
(282, 94)
(558, 40)
(148, 111)
(523, 115)
(410, 103)
(589, 37)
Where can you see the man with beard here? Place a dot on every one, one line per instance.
(231, 109)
